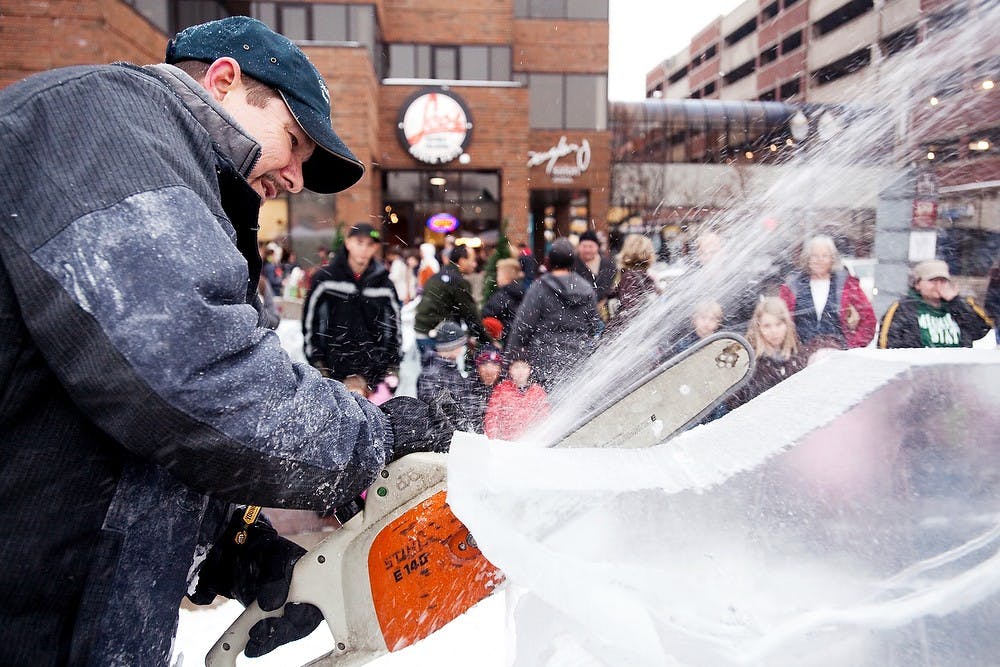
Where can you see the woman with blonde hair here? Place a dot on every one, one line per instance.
(825, 300)
(776, 346)
(634, 287)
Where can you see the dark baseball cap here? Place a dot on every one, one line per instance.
(275, 61)
(364, 229)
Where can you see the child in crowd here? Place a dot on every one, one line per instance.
(776, 347)
(706, 320)
(517, 403)
(357, 384)
(441, 373)
(489, 367)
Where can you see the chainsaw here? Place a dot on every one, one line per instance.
(404, 566)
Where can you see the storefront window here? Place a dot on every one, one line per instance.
(411, 197)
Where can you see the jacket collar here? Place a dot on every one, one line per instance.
(232, 140)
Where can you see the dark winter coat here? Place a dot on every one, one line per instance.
(138, 396)
(834, 322)
(768, 372)
(992, 305)
(440, 374)
(635, 290)
(602, 282)
(556, 325)
(504, 302)
(352, 326)
(448, 296)
(901, 323)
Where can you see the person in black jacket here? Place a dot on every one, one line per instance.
(142, 403)
(505, 301)
(932, 314)
(557, 323)
(596, 268)
(351, 321)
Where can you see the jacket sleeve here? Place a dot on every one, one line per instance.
(129, 283)
(897, 329)
(468, 311)
(971, 319)
(854, 295)
(315, 319)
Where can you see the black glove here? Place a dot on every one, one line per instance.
(422, 427)
(259, 568)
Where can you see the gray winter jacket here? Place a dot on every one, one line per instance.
(138, 396)
(556, 325)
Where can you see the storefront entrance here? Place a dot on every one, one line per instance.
(555, 214)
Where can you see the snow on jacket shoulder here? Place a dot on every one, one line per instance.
(137, 381)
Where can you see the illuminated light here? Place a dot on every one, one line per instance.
(987, 84)
(465, 158)
(438, 180)
(748, 155)
(393, 218)
(930, 155)
(934, 101)
(773, 148)
(474, 242)
(981, 145)
(388, 209)
(443, 223)
(789, 142)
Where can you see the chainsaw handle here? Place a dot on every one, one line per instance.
(320, 577)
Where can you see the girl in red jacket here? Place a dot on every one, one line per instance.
(517, 403)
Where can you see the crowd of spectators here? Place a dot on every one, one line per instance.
(501, 359)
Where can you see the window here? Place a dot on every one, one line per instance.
(899, 41)
(567, 101)
(767, 96)
(769, 55)
(792, 42)
(847, 65)
(561, 9)
(708, 89)
(769, 12)
(678, 75)
(843, 14)
(744, 70)
(790, 88)
(743, 31)
(320, 21)
(467, 62)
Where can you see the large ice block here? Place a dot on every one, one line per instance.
(851, 515)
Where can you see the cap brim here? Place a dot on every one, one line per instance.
(332, 167)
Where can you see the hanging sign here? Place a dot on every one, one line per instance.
(442, 223)
(435, 126)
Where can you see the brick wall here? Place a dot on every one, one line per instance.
(448, 21)
(37, 35)
(560, 46)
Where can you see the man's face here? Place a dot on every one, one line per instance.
(360, 249)
(587, 250)
(467, 264)
(489, 373)
(709, 247)
(284, 145)
(930, 290)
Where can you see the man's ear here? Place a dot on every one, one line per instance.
(222, 77)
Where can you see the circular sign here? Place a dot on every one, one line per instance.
(442, 223)
(435, 126)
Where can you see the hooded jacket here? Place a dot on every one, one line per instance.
(352, 325)
(556, 325)
(504, 302)
(448, 296)
(138, 395)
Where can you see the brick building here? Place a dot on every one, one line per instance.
(504, 103)
(828, 53)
